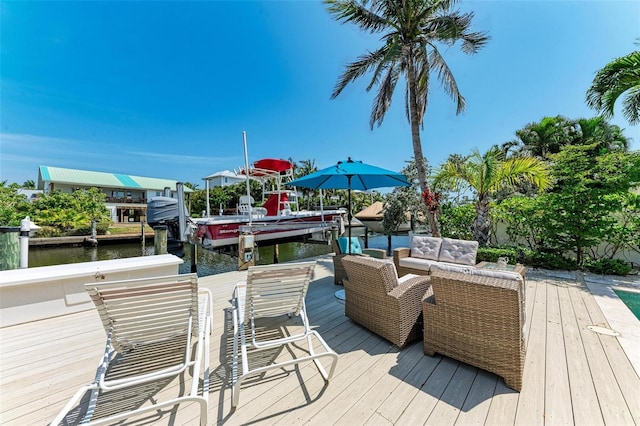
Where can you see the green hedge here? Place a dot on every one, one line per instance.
(550, 260)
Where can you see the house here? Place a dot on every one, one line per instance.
(126, 195)
(31, 194)
(224, 178)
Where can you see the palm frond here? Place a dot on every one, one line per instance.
(356, 13)
(358, 68)
(630, 106)
(523, 169)
(617, 77)
(447, 79)
(383, 98)
(392, 52)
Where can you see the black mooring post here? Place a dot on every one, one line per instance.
(194, 258)
(366, 237)
(349, 213)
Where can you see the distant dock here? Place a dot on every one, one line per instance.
(80, 240)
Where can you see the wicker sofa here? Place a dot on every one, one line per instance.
(339, 273)
(426, 251)
(376, 299)
(477, 317)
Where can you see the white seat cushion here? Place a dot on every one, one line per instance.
(416, 263)
(461, 252)
(425, 247)
(452, 267)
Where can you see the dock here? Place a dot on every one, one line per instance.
(572, 375)
(80, 240)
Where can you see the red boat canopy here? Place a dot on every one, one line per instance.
(267, 166)
(273, 164)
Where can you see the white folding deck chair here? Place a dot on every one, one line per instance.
(156, 329)
(272, 291)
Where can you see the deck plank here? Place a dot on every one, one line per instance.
(583, 393)
(530, 409)
(370, 401)
(557, 403)
(625, 375)
(419, 409)
(476, 405)
(607, 390)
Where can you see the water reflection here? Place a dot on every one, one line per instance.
(207, 262)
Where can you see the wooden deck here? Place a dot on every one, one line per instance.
(572, 375)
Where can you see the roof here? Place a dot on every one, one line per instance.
(102, 179)
(374, 211)
(224, 173)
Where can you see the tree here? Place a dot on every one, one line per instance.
(304, 168)
(487, 174)
(393, 216)
(547, 136)
(551, 134)
(411, 32)
(608, 137)
(13, 206)
(591, 191)
(620, 76)
(65, 212)
(29, 184)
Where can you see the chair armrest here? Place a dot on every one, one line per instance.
(399, 253)
(377, 253)
(416, 288)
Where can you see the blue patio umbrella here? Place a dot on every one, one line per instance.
(351, 175)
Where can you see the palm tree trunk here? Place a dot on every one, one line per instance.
(481, 223)
(417, 145)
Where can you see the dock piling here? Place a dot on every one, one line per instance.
(9, 248)
(160, 239)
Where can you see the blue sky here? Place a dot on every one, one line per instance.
(165, 89)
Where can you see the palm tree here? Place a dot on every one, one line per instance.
(304, 168)
(411, 32)
(551, 134)
(607, 136)
(486, 175)
(622, 75)
(547, 136)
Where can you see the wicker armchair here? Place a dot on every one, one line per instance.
(339, 273)
(377, 300)
(477, 320)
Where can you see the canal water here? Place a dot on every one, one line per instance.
(208, 262)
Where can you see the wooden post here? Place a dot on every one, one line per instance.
(334, 232)
(194, 258)
(366, 237)
(142, 237)
(276, 253)
(9, 248)
(160, 239)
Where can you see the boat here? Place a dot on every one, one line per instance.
(277, 218)
(372, 216)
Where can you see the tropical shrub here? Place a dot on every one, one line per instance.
(607, 266)
(486, 175)
(582, 209)
(523, 218)
(491, 254)
(456, 221)
(13, 206)
(66, 212)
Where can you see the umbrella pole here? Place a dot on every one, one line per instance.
(349, 213)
